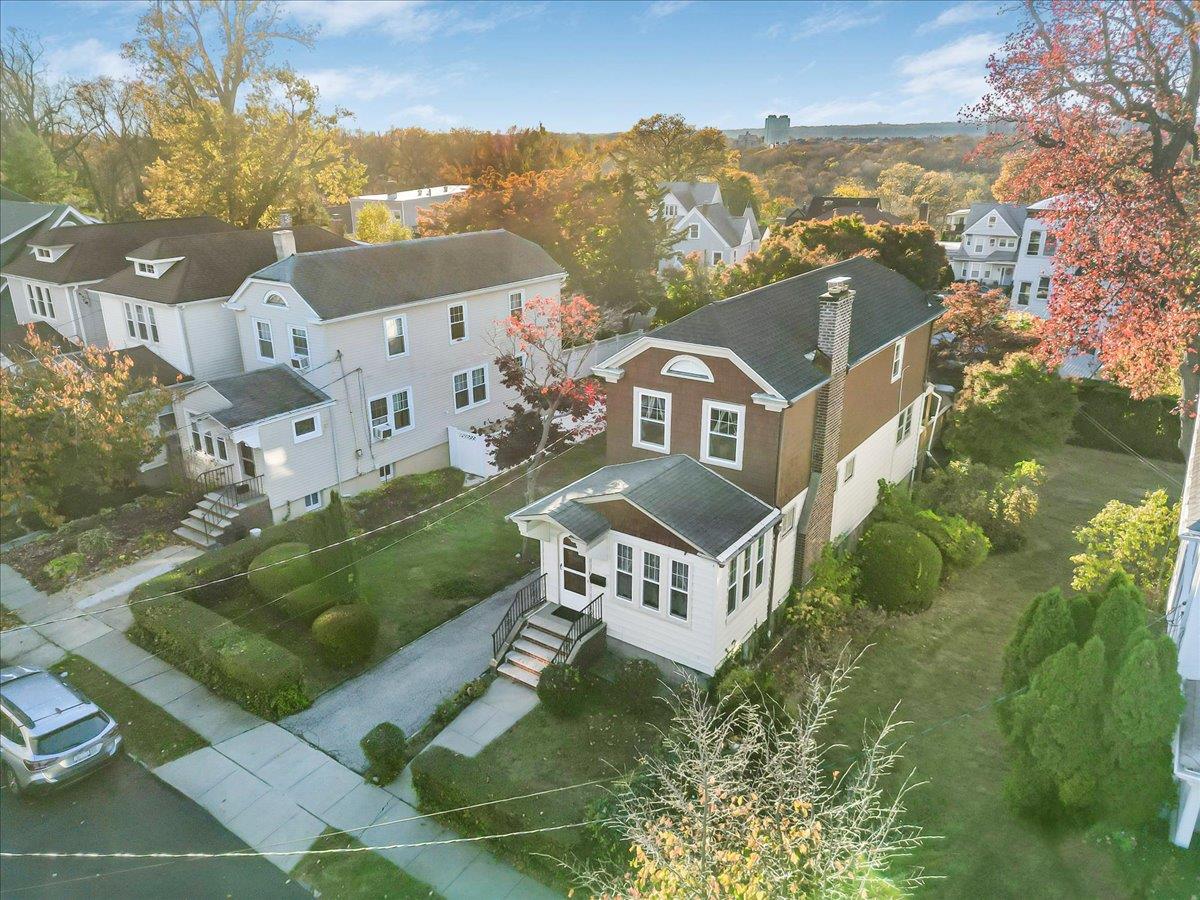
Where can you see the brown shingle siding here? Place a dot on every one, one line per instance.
(872, 399)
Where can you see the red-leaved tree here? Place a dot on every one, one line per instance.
(543, 360)
(1103, 94)
(975, 319)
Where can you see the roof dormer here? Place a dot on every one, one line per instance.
(152, 268)
(49, 254)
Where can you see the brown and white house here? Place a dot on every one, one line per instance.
(741, 439)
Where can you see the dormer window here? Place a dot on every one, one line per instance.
(145, 268)
(45, 253)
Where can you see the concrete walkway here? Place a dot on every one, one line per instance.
(406, 687)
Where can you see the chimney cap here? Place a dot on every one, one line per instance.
(838, 285)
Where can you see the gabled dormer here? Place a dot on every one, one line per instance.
(152, 268)
(49, 253)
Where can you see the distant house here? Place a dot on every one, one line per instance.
(748, 140)
(1183, 624)
(705, 225)
(50, 281)
(404, 205)
(822, 209)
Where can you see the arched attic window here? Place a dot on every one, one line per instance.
(274, 299)
(687, 367)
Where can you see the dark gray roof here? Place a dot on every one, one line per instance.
(23, 221)
(1011, 213)
(98, 251)
(213, 265)
(149, 365)
(774, 328)
(1004, 256)
(693, 193)
(696, 503)
(264, 394)
(730, 227)
(13, 335)
(387, 275)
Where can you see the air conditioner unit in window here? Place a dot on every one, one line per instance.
(300, 363)
(381, 432)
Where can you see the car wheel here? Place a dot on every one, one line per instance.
(10, 783)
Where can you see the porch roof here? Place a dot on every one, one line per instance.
(704, 509)
(264, 394)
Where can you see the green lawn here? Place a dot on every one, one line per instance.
(946, 662)
(540, 752)
(356, 876)
(431, 575)
(151, 735)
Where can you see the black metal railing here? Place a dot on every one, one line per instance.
(211, 480)
(229, 494)
(592, 615)
(529, 597)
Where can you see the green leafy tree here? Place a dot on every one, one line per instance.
(1139, 540)
(377, 225)
(1045, 627)
(27, 166)
(1000, 502)
(686, 290)
(1011, 411)
(666, 148)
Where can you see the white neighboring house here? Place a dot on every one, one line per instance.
(706, 226)
(21, 220)
(50, 282)
(404, 205)
(395, 344)
(1035, 264)
(1183, 624)
(170, 296)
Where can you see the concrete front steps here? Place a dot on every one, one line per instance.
(540, 639)
(210, 519)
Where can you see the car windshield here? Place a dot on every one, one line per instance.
(71, 735)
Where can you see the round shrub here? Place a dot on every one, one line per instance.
(272, 575)
(94, 542)
(900, 567)
(386, 749)
(965, 545)
(637, 683)
(563, 688)
(308, 601)
(346, 634)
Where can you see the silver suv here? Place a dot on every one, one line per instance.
(49, 734)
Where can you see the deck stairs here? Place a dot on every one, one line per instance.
(212, 516)
(539, 641)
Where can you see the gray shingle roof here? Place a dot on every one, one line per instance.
(997, 256)
(693, 193)
(773, 328)
(387, 275)
(213, 265)
(264, 394)
(1011, 213)
(98, 251)
(693, 501)
(149, 365)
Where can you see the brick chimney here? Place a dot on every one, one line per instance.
(833, 340)
(285, 243)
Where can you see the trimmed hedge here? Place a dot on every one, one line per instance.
(234, 661)
(281, 569)
(386, 750)
(900, 567)
(346, 634)
(308, 601)
(1147, 426)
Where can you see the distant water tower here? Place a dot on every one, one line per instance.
(778, 130)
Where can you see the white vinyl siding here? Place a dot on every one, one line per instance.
(306, 428)
(391, 413)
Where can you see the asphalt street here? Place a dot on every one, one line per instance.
(125, 808)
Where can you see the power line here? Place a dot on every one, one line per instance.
(1132, 452)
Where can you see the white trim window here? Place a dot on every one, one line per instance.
(653, 427)
(746, 573)
(848, 469)
(264, 343)
(141, 323)
(210, 448)
(470, 388)
(516, 304)
(306, 428)
(731, 591)
(458, 322)
(693, 232)
(45, 254)
(222, 450)
(1035, 244)
(1043, 288)
(145, 268)
(274, 299)
(688, 367)
(386, 471)
(904, 425)
(760, 560)
(716, 257)
(898, 360)
(724, 425)
(41, 301)
(390, 413)
(313, 500)
(299, 339)
(651, 579)
(671, 210)
(677, 604)
(624, 579)
(1023, 293)
(197, 443)
(395, 337)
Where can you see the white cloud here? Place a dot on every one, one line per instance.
(362, 83)
(84, 59)
(961, 14)
(425, 114)
(408, 20)
(660, 9)
(953, 70)
(829, 18)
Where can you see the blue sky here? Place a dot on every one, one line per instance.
(598, 66)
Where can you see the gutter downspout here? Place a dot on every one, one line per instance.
(775, 527)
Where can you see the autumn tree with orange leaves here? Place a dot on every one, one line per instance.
(1104, 97)
(77, 423)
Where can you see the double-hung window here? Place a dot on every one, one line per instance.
(693, 232)
(653, 426)
(651, 578)
(1035, 244)
(391, 413)
(209, 447)
(1043, 290)
(299, 338)
(197, 445)
(731, 592)
(760, 559)
(716, 257)
(624, 571)
(516, 303)
(266, 346)
(386, 471)
(470, 388)
(395, 337)
(140, 322)
(746, 573)
(898, 359)
(678, 606)
(723, 427)
(1051, 244)
(904, 425)
(41, 301)
(1023, 293)
(458, 323)
(222, 450)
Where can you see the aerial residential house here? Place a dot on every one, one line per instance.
(823, 208)
(363, 363)
(741, 439)
(405, 205)
(705, 225)
(49, 283)
(1183, 624)
(170, 296)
